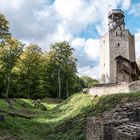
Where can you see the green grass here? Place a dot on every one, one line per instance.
(61, 121)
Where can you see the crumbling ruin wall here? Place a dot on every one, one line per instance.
(106, 89)
(123, 123)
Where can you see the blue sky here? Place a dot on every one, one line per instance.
(80, 22)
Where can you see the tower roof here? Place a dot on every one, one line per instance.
(116, 19)
(115, 12)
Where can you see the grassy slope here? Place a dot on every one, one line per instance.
(65, 121)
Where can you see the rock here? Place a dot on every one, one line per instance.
(123, 123)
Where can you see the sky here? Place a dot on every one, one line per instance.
(80, 22)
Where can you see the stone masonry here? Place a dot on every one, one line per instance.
(111, 47)
(106, 89)
(123, 123)
(117, 41)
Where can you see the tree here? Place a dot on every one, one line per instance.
(27, 72)
(4, 27)
(61, 69)
(10, 52)
(78, 85)
(30, 70)
(88, 81)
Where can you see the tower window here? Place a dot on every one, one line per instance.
(118, 44)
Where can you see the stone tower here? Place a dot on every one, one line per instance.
(117, 52)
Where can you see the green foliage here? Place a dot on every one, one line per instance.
(10, 51)
(69, 118)
(88, 81)
(29, 69)
(66, 121)
(61, 70)
(30, 73)
(106, 103)
(21, 105)
(82, 106)
(4, 27)
(27, 72)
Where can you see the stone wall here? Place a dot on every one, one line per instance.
(126, 44)
(106, 89)
(123, 123)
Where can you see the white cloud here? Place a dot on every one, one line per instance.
(125, 4)
(89, 46)
(78, 43)
(135, 10)
(89, 71)
(37, 21)
(77, 14)
(92, 49)
(34, 20)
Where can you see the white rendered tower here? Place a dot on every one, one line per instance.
(117, 51)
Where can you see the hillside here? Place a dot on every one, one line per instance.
(53, 121)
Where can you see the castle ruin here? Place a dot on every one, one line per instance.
(119, 73)
(117, 52)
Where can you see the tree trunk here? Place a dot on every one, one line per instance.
(7, 91)
(8, 85)
(67, 89)
(28, 82)
(59, 84)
